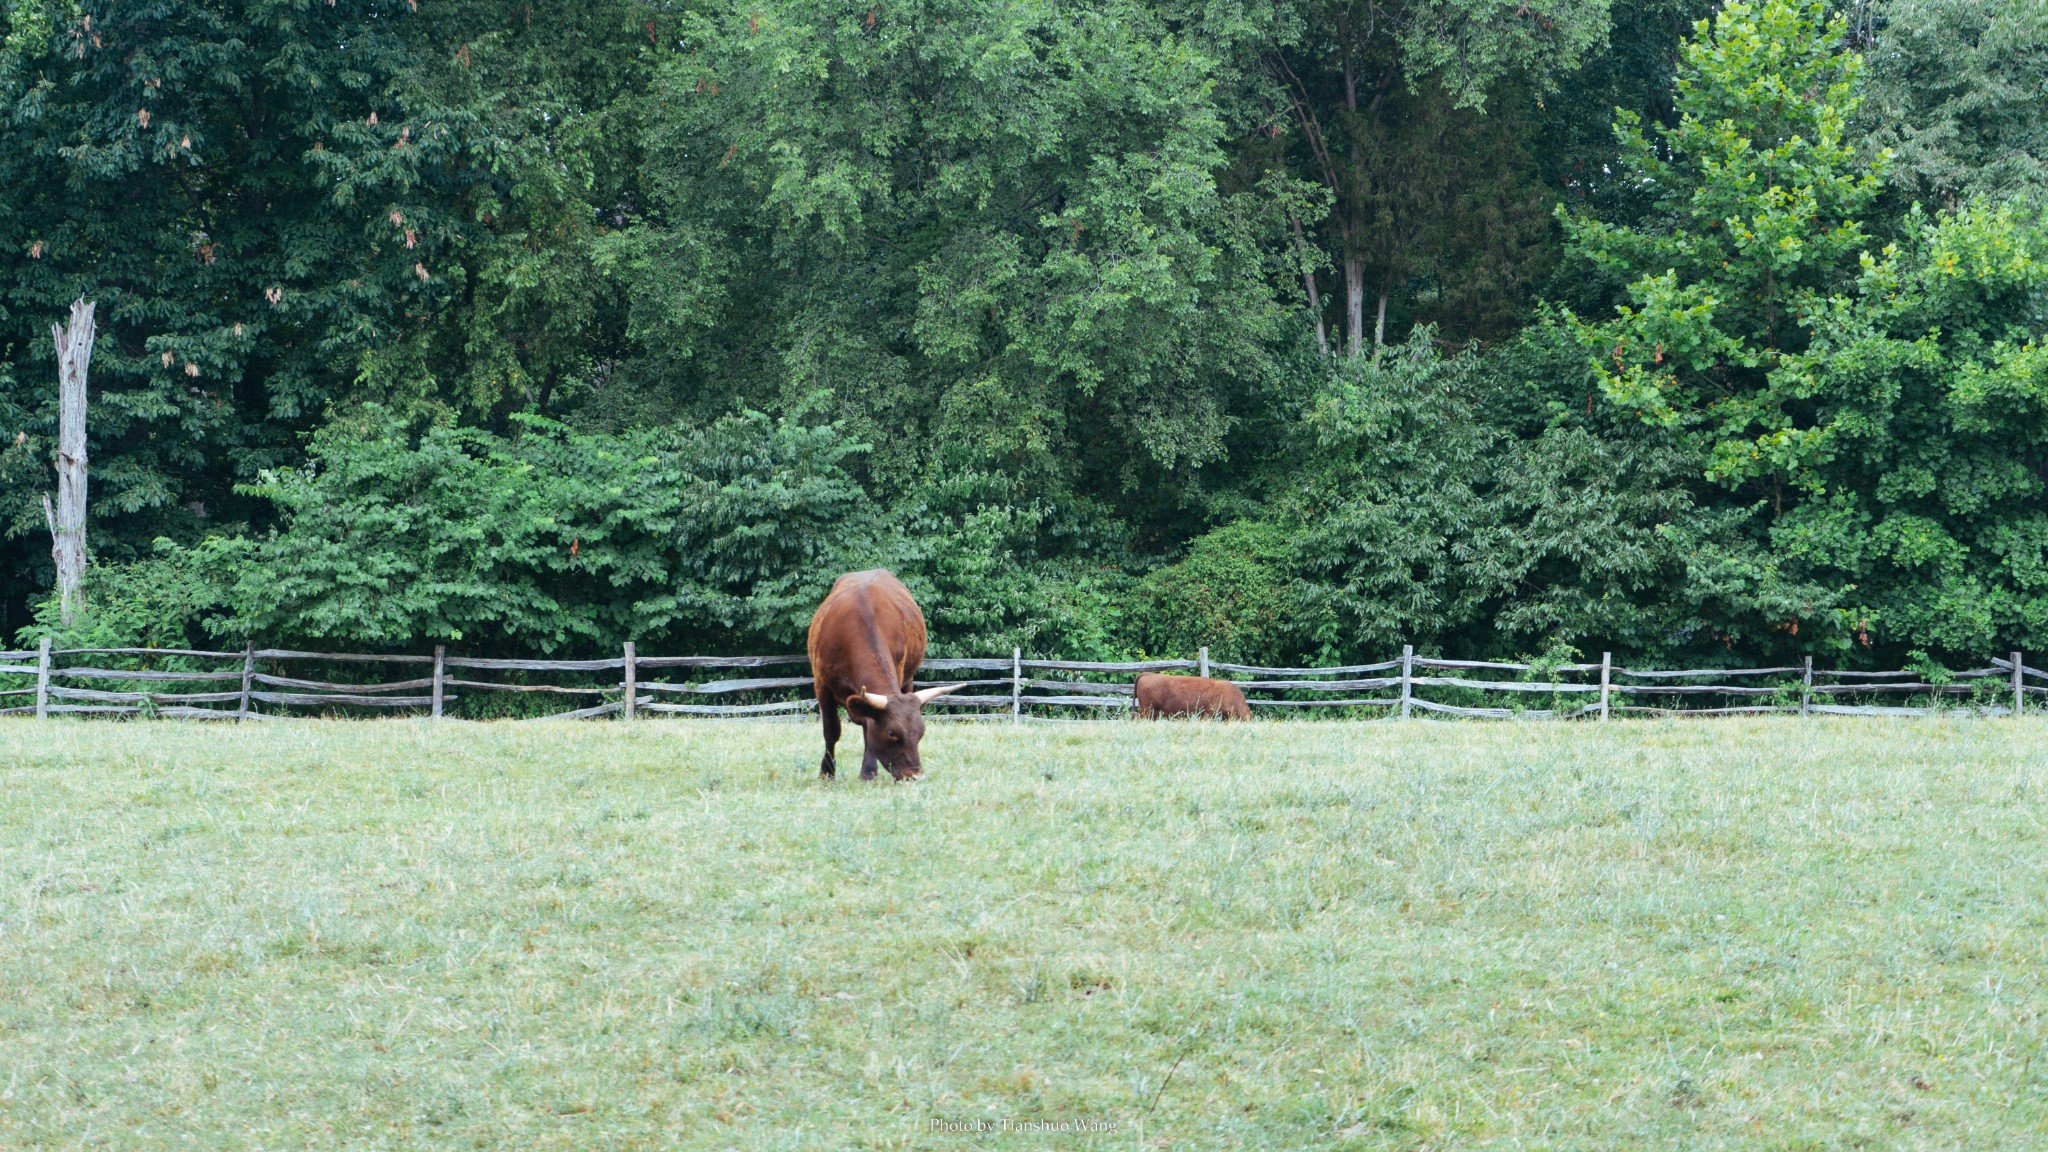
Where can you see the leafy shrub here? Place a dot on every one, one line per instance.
(1443, 500)
(719, 537)
(1234, 592)
(163, 600)
(996, 567)
(714, 539)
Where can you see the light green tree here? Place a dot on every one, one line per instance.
(1760, 198)
(1879, 404)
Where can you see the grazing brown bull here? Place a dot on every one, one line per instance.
(867, 640)
(1189, 696)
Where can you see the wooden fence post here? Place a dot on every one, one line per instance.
(43, 680)
(1806, 690)
(1407, 677)
(248, 675)
(1204, 661)
(440, 654)
(632, 679)
(1016, 685)
(1606, 668)
(2019, 689)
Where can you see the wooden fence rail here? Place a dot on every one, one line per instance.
(253, 684)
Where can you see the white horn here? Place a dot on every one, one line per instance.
(925, 695)
(876, 700)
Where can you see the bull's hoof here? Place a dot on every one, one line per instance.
(826, 768)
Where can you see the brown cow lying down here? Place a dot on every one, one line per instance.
(1189, 696)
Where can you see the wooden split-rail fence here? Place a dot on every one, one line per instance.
(253, 685)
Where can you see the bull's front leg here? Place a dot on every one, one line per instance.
(868, 761)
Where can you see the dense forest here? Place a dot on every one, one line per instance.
(1299, 329)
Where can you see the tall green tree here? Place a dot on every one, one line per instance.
(987, 236)
(1761, 198)
(285, 206)
(1372, 92)
(1958, 91)
(1635, 70)
(1876, 405)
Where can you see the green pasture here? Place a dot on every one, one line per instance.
(1771, 934)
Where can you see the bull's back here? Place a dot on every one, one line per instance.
(1159, 695)
(869, 622)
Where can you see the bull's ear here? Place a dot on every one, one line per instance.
(925, 695)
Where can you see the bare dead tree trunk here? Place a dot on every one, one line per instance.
(67, 519)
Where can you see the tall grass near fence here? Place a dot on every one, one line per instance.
(269, 683)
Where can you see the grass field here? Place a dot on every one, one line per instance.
(1780, 934)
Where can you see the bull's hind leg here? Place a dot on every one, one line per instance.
(829, 711)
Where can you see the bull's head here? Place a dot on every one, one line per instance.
(894, 725)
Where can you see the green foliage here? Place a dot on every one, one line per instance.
(1928, 382)
(1758, 222)
(548, 325)
(1636, 71)
(1956, 94)
(162, 600)
(1438, 504)
(1430, 208)
(279, 205)
(996, 568)
(717, 538)
(992, 228)
(1235, 592)
(720, 536)
(1880, 404)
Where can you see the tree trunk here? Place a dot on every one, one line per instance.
(67, 519)
(1315, 305)
(1354, 303)
(1379, 327)
(1354, 236)
(547, 390)
(1308, 279)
